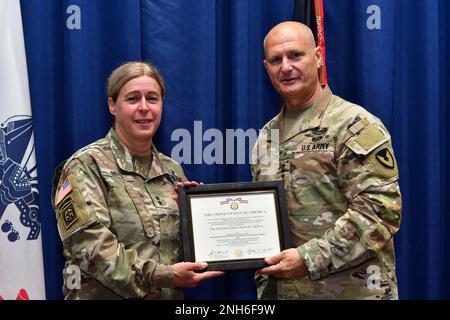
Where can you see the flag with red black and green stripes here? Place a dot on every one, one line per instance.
(311, 13)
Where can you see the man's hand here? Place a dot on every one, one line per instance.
(287, 264)
(186, 277)
(186, 184)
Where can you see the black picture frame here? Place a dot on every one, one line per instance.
(232, 190)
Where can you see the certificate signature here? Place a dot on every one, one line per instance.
(250, 252)
(218, 254)
(258, 251)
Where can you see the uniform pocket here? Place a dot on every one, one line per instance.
(168, 221)
(131, 219)
(147, 212)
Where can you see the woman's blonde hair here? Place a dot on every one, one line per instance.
(130, 70)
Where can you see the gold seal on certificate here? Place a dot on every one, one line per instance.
(234, 225)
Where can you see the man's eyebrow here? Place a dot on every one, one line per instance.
(296, 50)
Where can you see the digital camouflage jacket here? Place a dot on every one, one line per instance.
(343, 199)
(119, 227)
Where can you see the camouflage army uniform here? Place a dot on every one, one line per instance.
(119, 225)
(343, 199)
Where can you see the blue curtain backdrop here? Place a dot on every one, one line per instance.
(210, 55)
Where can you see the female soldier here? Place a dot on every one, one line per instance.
(113, 201)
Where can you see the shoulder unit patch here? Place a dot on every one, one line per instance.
(386, 158)
(383, 162)
(67, 212)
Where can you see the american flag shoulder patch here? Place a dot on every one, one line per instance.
(64, 190)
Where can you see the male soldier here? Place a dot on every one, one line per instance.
(341, 182)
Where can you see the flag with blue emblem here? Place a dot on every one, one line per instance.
(21, 263)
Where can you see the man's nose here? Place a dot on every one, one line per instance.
(286, 65)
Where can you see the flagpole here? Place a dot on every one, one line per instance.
(21, 258)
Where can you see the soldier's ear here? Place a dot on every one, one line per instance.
(265, 65)
(318, 54)
(112, 106)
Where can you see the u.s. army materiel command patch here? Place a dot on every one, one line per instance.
(386, 158)
(383, 162)
(67, 212)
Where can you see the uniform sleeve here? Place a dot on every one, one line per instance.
(84, 225)
(368, 177)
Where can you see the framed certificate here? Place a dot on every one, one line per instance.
(234, 225)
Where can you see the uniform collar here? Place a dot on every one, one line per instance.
(124, 158)
(312, 115)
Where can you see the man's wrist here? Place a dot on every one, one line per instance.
(315, 261)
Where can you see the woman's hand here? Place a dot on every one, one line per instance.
(185, 274)
(185, 184)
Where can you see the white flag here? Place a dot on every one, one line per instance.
(21, 264)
